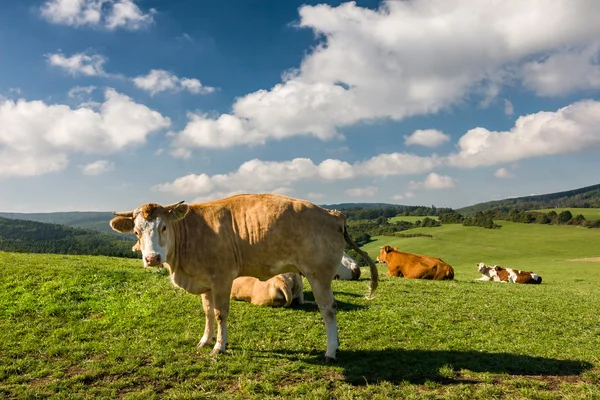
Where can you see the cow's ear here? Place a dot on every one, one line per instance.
(122, 224)
(179, 211)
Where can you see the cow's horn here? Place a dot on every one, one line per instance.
(175, 204)
(128, 214)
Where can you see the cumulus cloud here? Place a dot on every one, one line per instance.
(368, 191)
(406, 58)
(79, 63)
(257, 175)
(570, 129)
(158, 80)
(315, 196)
(37, 138)
(508, 108)
(503, 173)
(79, 91)
(97, 167)
(426, 137)
(110, 14)
(434, 181)
(564, 72)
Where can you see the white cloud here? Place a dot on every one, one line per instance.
(36, 137)
(406, 58)
(434, 181)
(409, 195)
(79, 91)
(398, 197)
(98, 167)
(110, 14)
(503, 173)
(426, 137)
(79, 63)
(315, 196)
(570, 129)
(257, 175)
(158, 80)
(508, 108)
(564, 72)
(368, 191)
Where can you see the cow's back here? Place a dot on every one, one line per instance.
(265, 235)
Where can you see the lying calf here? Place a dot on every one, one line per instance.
(349, 269)
(279, 291)
(499, 274)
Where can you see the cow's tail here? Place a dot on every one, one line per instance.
(372, 266)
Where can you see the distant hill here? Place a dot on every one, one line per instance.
(37, 237)
(586, 197)
(346, 206)
(93, 220)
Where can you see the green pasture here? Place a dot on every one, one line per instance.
(591, 214)
(99, 327)
(410, 218)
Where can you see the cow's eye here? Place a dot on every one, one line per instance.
(164, 228)
(137, 233)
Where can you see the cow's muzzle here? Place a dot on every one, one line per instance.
(152, 260)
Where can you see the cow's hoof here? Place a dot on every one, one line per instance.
(330, 359)
(216, 352)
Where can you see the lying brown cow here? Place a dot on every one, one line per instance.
(279, 291)
(499, 274)
(414, 266)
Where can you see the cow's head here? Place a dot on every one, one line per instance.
(483, 268)
(384, 252)
(152, 224)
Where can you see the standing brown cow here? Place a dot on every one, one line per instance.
(206, 246)
(414, 266)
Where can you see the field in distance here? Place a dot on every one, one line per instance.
(101, 327)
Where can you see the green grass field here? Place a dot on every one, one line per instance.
(591, 214)
(100, 327)
(409, 218)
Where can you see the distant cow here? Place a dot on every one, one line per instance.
(206, 246)
(414, 266)
(349, 269)
(499, 274)
(278, 291)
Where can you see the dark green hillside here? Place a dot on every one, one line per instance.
(37, 237)
(94, 220)
(586, 197)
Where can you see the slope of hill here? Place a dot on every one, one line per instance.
(346, 206)
(586, 197)
(38, 237)
(94, 220)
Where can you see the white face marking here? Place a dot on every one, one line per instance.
(535, 277)
(151, 239)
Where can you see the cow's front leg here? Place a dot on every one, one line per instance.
(221, 305)
(209, 315)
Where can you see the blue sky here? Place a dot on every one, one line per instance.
(108, 104)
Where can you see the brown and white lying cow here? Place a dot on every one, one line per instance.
(349, 269)
(499, 274)
(278, 291)
(414, 266)
(206, 246)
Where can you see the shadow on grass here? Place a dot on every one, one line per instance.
(419, 366)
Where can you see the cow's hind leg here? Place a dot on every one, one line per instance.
(324, 297)
(221, 302)
(209, 315)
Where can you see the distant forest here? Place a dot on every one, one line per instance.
(37, 237)
(587, 197)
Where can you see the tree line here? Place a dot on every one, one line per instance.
(37, 237)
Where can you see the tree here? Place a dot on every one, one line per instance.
(564, 217)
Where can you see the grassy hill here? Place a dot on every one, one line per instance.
(585, 197)
(101, 327)
(93, 220)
